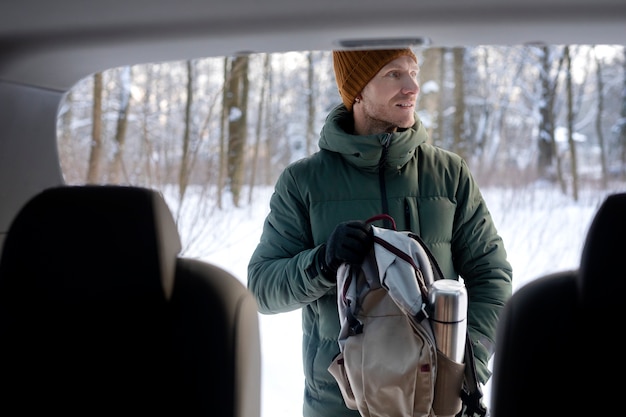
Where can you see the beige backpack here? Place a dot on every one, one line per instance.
(390, 363)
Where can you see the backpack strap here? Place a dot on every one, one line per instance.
(433, 262)
(383, 216)
(355, 325)
(472, 394)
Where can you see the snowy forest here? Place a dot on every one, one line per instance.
(543, 129)
(211, 132)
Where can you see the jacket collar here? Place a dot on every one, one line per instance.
(364, 151)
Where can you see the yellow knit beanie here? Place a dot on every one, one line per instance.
(354, 69)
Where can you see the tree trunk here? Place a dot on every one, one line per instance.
(547, 146)
(430, 93)
(310, 120)
(221, 178)
(570, 123)
(150, 173)
(268, 177)
(259, 128)
(599, 113)
(122, 125)
(458, 136)
(622, 124)
(67, 157)
(440, 129)
(95, 156)
(184, 169)
(237, 96)
(546, 128)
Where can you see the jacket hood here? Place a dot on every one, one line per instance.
(364, 151)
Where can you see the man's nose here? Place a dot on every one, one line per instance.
(411, 86)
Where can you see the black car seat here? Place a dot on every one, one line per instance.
(559, 340)
(99, 315)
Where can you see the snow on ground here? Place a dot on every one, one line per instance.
(543, 232)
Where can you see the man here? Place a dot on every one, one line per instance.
(373, 159)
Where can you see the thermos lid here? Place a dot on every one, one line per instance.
(448, 301)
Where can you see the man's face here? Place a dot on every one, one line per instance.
(388, 101)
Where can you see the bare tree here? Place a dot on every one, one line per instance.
(259, 125)
(310, 96)
(95, 156)
(546, 124)
(122, 125)
(598, 124)
(184, 169)
(269, 125)
(622, 121)
(570, 122)
(547, 145)
(146, 147)
(237, 99)
(459, 139)
(66, 146)
(504, 91)
(430, 95)
(221, 179)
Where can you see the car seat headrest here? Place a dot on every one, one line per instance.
(92, 242)
(602, 276)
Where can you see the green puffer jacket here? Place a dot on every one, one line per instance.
(426, 189)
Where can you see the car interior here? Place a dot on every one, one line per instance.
(99, 311)
(121, 322)
(548, 325)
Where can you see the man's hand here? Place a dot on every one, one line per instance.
(350, 242)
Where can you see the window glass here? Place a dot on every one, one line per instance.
(542, 128)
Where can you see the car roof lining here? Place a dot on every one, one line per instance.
(54, 44)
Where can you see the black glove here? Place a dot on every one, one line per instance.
(350, 242)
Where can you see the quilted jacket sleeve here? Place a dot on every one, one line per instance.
(283, 272)
(481, 260)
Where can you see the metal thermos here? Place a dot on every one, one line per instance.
(448, 301)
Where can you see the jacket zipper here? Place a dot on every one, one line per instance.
(407, 215)
(381, 177)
